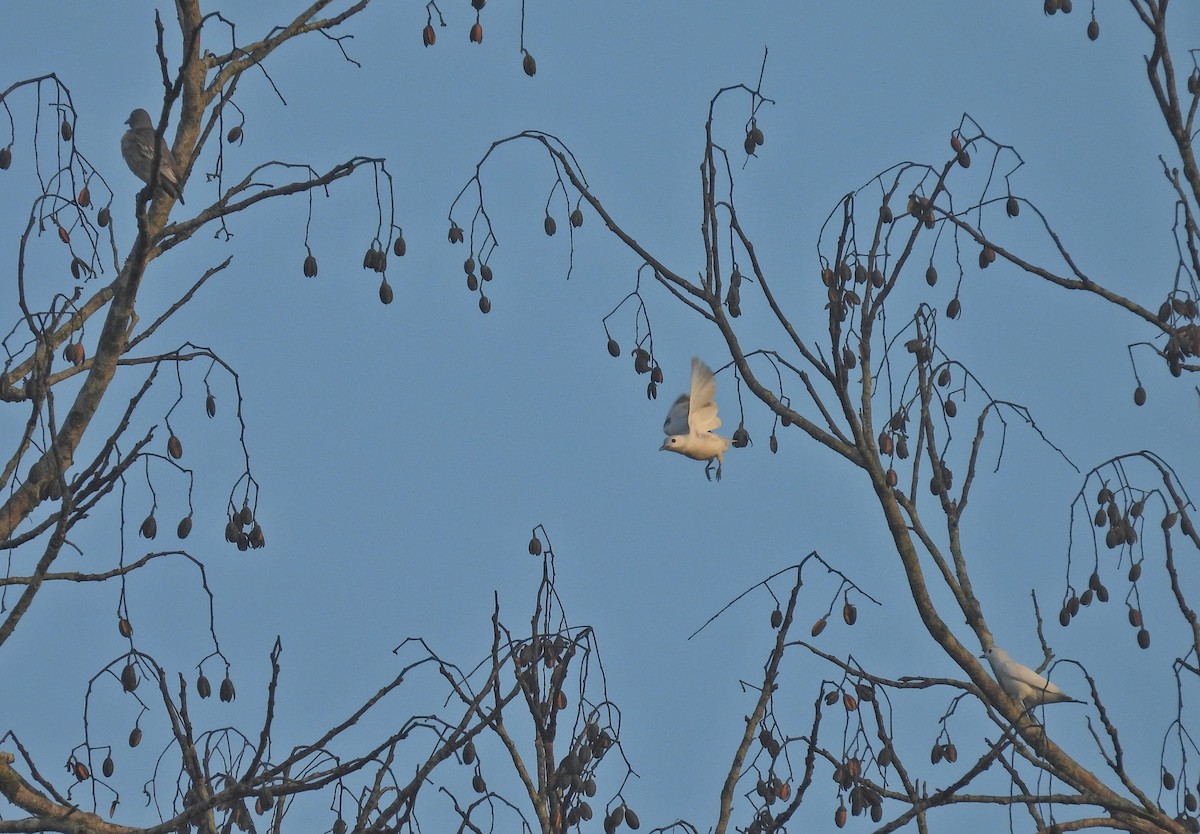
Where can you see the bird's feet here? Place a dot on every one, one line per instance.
(708, 469)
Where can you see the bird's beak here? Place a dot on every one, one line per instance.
(663, 447)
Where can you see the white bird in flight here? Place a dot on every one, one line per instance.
(690, 422)
(1021, 682)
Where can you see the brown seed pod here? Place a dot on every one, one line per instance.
(6, 160)
(1064, 617)
(819, 626)
(892, 478)
(468, 753)
(954, 308)
(549, 225)
(1085, 598)
(935, 754)
(149, 528)
(478, 784)
(748, 145)
(1135, 618)
(245, 516)
(956, 142)
(1135, 571)
(1012, 207)
(885, 214)
(951, 408)
(203, 686)
(1101, 518)
(576, 217)
(469, 265)
(831, 699)
(839, 816)
(950, 753)
(529, 65)
(129, 678)
(485, 272)
(849, 702)
(63, 236)
(174, 447)
(256, 537)
(964, 159)
(485, 304)
(472, 282)
(1168, 780)
(1189, 802)
(641, 361)
(774, 443)
(234, 135)
(849, 614)
(310, 266)
(776, 618)
(455, 235)
(210, 405)
(614, 349)
(81, 771)
(1143, 638)
(231, 531)
(386, 295)
(107, 767)
(631, 819)
(66, 131)
(1073, 605)
(243, 542)
(477, 37)
(429, 38)
(85, 197)
(931, 275)
(227, 693)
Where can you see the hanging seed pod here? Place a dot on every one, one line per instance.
(886, 444)
(1101, 518)
(902, 448)
(369, 259)
(380, 264)
(885, 214)
(1085, 599)
(1135, 571)
(535, 546)
(6, 160)
(951, 408)
(63, 236)
(203, 686)
(1135, 618)
(485, 272)
(1185, 526)
(455, 235)
(210, 405)
(831, 698)
(1139, 395)
(310, 266)
(1102, 593)
(964, 159)
(386, 295)
(892, 477)
(469, 265)
(245, 516)
(477, 37)
(85, 197)
(429, 38)
(129, 678)
(234, 135)
(631, 819)
(774, 443)
(256, 537)
(849, 614)
(1168, 780)
(849, 702)
(935, 755)
(1012, 207)
(478, 784)
(485, 304)
(231, 531)
(243, 542)
(1064, 617)
(819, 626)
(472, 282)
(1143, 638)
(135, 736)
(102, 218)
(399, 247)
(950, 753)
(839, 816)
(228, 693)
(549, 225)
(585, 811)
(614, 349)
(529, 65)
(468, 753)
(576, 217)
(656, 375)
(641, 361)
(748, 145)
(589, 784)
(107, 767)
(174, 447)
(931, 275)
(66, 131)
(149, 528)
(81, 771)
(776, 618)
(1073, 605)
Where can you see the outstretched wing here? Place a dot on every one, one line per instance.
(702, 414)
(677, 417)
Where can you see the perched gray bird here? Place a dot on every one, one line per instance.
(137, 146)
(1021, 682)
(691, 420)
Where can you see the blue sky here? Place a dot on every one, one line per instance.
(405, 452)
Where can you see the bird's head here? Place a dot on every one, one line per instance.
(139, 118)
(996, 655)
(671, 444)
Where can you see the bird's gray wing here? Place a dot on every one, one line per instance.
(677, 417)
(702, 416)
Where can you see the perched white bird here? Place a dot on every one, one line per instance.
(137, 146)
(1021, 682)
(690, 422)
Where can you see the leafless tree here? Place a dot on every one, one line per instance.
(882, 398)
(881, 388)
